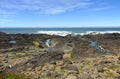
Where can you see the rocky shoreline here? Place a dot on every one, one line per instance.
(43, 56)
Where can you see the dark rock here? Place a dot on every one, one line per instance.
(77, 46)
(50, 50)
(6, 61)
(118, 58)
(105, 62)
(39, 60)
(118, 71)
(116, 77)
(68, 62)
(2, 33)
(100, 69)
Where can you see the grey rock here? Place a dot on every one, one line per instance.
(71, 69)
(1, 64)
(100, 69)
(85, 76)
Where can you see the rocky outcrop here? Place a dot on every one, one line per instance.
(69, 57)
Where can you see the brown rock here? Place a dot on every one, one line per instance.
(45, 74)
(29, 69)
(1, 64)
(48, 67)
(118, 58)
(100, 69)
(71, 69)
(38, 68)
(59, 63)
(67, 56)
(85, 76)
(118, 71)
(72, 77)
(55, 75)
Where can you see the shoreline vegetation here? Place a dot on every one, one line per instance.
(42, 56)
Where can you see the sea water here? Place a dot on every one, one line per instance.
(60, 31)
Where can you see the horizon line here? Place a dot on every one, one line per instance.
(68, 27)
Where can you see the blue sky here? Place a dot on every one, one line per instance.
(59, 13)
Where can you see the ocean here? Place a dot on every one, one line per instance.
(60, 31)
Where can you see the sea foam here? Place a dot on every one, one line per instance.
(65, 33)
(60, 33)
(101, 32)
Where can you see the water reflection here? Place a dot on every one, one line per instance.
(12, 42)
(98, 47)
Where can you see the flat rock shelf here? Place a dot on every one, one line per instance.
(42, 56)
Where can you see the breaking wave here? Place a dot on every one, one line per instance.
(60, 33)
(101, 32)
(65, 33)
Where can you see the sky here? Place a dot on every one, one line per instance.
(59, 13)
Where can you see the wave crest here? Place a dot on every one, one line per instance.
(60, 33)
(65, 33)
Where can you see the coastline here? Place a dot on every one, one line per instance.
(61, 31)
(77, 56)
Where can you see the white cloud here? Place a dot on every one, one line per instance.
(44, 6)
(100, 8)
(48, 6)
